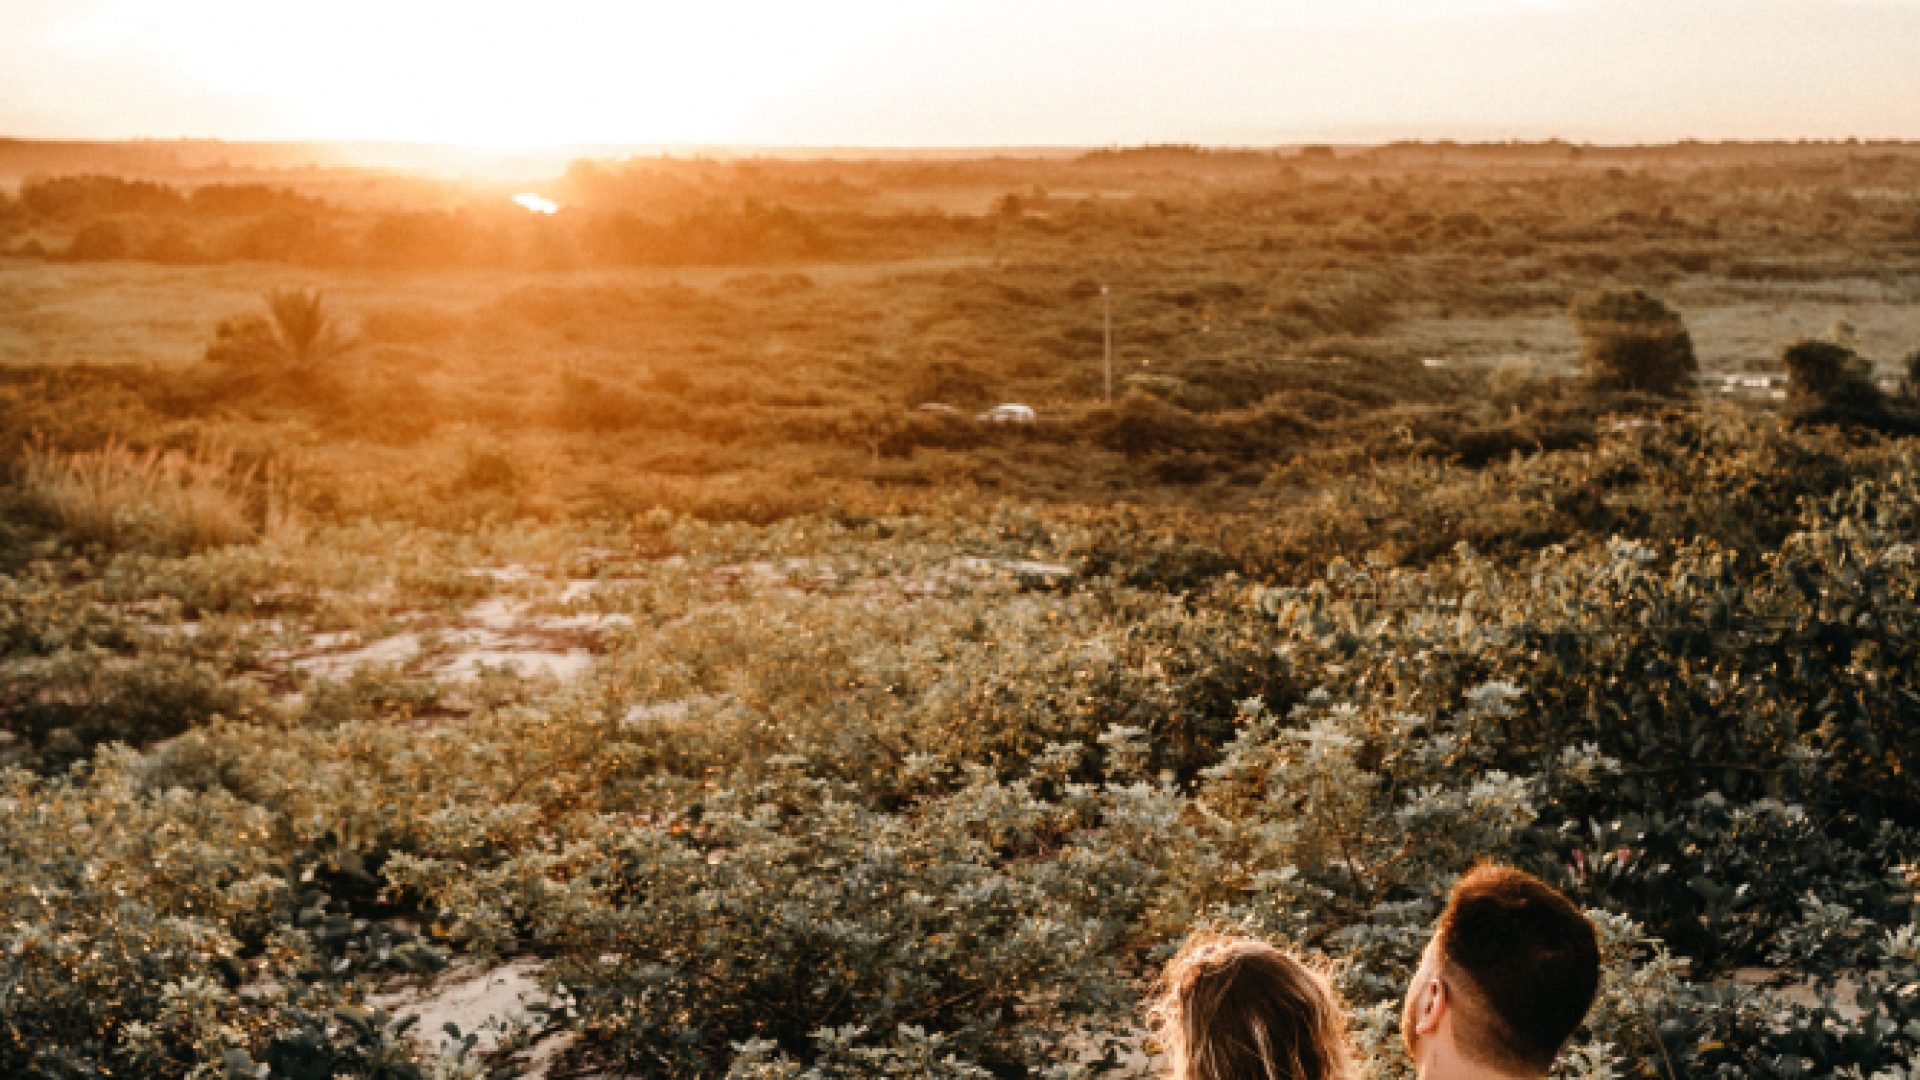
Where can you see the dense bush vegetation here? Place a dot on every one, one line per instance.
(779, 830)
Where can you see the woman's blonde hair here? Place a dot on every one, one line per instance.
(1235, 1008)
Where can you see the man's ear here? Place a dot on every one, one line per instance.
(1430, 1006)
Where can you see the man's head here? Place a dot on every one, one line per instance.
(1508, 976)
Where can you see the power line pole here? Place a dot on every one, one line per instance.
(1106, 319)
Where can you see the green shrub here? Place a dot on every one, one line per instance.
(1632, 341)
(586, 402)
(1827, 377)
(243, 343)
(1140, 423)
(834, 915)
(61, 709)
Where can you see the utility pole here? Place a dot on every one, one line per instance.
(1106, 319)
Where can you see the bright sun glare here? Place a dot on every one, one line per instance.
(500, 73)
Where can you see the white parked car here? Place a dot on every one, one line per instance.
(1008, 414)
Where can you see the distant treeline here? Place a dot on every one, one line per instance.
(152, 158)
(630, 220)
(1743, 211)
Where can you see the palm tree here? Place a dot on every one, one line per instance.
(304, 334)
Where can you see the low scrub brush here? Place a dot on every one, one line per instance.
(168, 500)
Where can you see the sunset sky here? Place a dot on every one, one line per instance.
(959, 72)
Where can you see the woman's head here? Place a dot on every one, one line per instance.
(1230, 1008)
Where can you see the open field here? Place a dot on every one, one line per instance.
(133, 313)
(615, 633)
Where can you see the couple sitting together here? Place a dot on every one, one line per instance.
(1508, 976)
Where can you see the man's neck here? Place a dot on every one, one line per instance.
(1440, 1061)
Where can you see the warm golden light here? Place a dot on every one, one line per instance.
(537, 204)
(501, 74)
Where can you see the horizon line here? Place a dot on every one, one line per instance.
(1349, 140)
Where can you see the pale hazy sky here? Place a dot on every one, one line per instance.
(959, 72)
